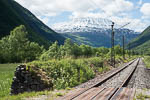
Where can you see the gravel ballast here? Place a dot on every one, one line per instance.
(120, 77)
(141, 77)
(139, 80)
(100, 77)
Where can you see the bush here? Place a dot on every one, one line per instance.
(69, 72)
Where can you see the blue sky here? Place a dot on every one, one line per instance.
(120, 11)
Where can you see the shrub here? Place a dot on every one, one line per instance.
(69, 72)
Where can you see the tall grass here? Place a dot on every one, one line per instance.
(6, 76)
(147, 61)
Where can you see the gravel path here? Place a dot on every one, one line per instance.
(141, 77)
(99, 77)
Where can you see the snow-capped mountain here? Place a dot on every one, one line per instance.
(83, 25)
(93, 31)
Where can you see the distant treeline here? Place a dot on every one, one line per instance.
(16, 47)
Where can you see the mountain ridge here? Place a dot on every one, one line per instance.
(141, 43)
(80, 24)
(93, 31)
(13, 15)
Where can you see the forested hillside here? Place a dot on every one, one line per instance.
(141, 43)
(13, 15)
(99, 39)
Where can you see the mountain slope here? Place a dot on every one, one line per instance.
(142, 41)
(13, 14)
(93, 31)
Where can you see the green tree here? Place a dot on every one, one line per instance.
(33, 51)
(18, 41)
(86, 50)
(76, 50)
(118, 50)
(17, 48)
(53, 52)
(102, 51)
(68, 47)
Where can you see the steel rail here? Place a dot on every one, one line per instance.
(124, 83)
(104, 80)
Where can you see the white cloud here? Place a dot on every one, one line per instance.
(117, 10)
(107, 8)
(135, 24)
(53, 7)
(88, 14)
(112, 7)
(145, 9)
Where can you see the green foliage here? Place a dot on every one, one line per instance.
(141, 43)
(146, 52)
(142, 96)
(6, 76)
(103, 69)
(86, 50)
(118, 50)
(70, 49)
(147, 61)
(31, 95)
(17, 48)
(69, 72)
(59, 94)
(143, 49)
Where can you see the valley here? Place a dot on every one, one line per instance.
(68, 50)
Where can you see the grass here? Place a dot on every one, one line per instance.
(142, 96)
(147, 61)
(23, 95)
(59, 94)
(50, 95)
(6, 76)
(103, 69)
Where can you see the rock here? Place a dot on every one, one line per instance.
(27, 81)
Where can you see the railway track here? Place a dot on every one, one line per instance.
(99, 91)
